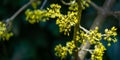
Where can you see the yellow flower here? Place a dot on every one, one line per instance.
(98, 52)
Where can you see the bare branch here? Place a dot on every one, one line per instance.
(87, 31)
(19, 11)
(94, 5)
(108, 4)
(115, 13)
(43, 4)
(65, 3)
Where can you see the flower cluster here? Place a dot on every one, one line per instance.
(110, 35)
(35, 3)
(3, 32)
(98, 52)
(84, 4)
(65, 22)
(2, 28)
(35, 16)
(73, 7)
(93, 36)
(54, 11)
(62, 51)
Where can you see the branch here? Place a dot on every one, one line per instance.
(87, 31)
(94, 5)
(19, 11)
(108, 4)
(115, 13)
(65, 3)
(89, 50)
(43, 5)
(76, 28)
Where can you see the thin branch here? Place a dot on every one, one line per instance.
(87, 31)
(94, 5)
(65, 3)
(19, 11)
(43, 4)
(115, 13)
(108, 4)
(90, 51)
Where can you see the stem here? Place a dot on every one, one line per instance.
(94, 5)
(65, 3)
(85, 30)
(19, 11)
(43, 4)
(76, 28)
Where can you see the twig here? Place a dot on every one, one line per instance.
(115, 13)
(108, 4)
(87, 31)
(43, 4)
(94, 5)
(90, 51)
(65, 3)
(19, 11)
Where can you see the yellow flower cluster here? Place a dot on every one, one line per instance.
(65, 22)
(98, 52)
(2, 28)
(35, 16)
(3, 32)
(35, 3)
(110, 35)
(61, 51)
(54, 11)
(84, 4)
(70, 46)
(80, 37)
(74, 7)
(6, 36)
(93, 36)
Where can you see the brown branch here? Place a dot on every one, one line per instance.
(94, 5)
(108, 4)
(101, 16)
(69, 3)
(19, 11)
(115, 13)
(43, 4)
(76, 28)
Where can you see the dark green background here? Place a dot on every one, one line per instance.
(37, 41)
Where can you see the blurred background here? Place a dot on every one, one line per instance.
(37, 41)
